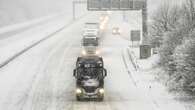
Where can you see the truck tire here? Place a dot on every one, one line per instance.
(100, 98)
(78, 98)
(101, 83)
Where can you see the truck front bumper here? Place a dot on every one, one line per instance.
(96, 94)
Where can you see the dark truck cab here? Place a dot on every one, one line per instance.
(90, 74)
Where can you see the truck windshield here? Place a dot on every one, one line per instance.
(90, 42)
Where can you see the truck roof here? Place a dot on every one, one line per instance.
(96, 23)
(90, 59)
(89, 36)
(90, 33)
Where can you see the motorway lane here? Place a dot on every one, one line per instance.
(54, 88)
(33, 80)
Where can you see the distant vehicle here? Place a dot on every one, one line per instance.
(116, 31)
(90, 74)
(91, 37)
(90, 45)
(103, 21)
(104, 17)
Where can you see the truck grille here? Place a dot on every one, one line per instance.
(89, 89)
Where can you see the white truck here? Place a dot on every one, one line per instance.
(90, 45)
(91, 28)
(90, 39)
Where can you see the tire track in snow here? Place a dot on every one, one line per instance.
(24, 95)
(54, 100)
(45, 87)
(7, 61)
(37, 85)
(52, 83)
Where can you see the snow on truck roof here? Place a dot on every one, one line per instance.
(85, 59)
(92, 23)
(91, 57)
(90, 34)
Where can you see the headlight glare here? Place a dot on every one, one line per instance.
(97, 52)
(78, 91)
(84, 52)
(101, 91)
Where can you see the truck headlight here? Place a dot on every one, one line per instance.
(97, 52)
(84, 52)
(119, 31)
(102, 27)
(78, 91)
(114, 31)
(106, 18)
(101, 91)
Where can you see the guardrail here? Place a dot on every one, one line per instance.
(133, 58)
(125, 61)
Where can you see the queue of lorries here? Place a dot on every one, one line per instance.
(90, 71)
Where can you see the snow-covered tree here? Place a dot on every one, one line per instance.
(165, 19)
(177, 52)
(184, 58)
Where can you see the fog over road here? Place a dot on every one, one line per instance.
(43, 76)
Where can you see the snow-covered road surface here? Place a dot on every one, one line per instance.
(13, 46)
(41, 78)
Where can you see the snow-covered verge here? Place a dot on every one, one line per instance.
(146, 79)
(12, 47)
(176, 47)
(155, 80)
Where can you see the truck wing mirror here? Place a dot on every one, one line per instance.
(74, 73)
(105, 72)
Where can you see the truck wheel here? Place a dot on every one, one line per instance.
(78, 98)
(100, 98)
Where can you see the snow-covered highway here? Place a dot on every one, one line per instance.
(42, 77)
